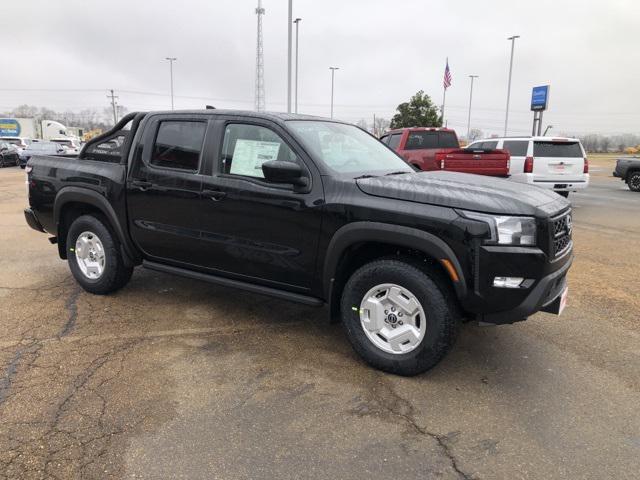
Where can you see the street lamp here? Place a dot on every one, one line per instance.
(506, 116)
(472, 77)
(333, 74)
(297, 22)
(171, 60)
(290, 22)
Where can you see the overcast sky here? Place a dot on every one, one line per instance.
(588, 51)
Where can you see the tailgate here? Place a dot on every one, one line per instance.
(481, 162)
(558, 160)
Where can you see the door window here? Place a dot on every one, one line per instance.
(394, 140)
(178, 145)
(422, 140)
(246, 147)
(516, 148)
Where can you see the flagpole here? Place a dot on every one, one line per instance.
(444, 98)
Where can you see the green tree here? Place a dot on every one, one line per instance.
(419, 111)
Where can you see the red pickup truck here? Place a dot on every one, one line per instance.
(438, 149)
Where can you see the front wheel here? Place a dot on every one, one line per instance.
(633, 181)
(398, 317)
(94, 256)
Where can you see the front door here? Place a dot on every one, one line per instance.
(163, 189)
(252, 229)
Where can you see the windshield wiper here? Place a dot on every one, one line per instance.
(364, 176)
(395, 173)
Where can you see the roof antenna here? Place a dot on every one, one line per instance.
(210, 107)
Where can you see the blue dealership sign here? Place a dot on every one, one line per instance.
(9, 127)
(540, 97)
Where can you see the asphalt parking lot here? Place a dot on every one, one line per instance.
(171, 378)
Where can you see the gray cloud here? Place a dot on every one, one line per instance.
(386, 51)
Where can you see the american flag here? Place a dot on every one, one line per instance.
(447, 76)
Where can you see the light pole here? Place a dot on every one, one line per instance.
(297, 22)
(506, 116)
(472, 77)
(333, 74)
(289, 33)
(171, 60)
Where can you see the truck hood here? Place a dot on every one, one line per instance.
(467, 192)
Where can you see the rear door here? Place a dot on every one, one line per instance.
(163, 188)
(556, 160)
(420, 149)
(518, 150)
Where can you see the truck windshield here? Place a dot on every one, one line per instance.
(347, 149)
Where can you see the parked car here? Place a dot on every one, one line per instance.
(20, 142)
(40, 148)
(71, 145)
(558, 164)
(310, 210)
(438, 149)
(628, 170)
(8, 155)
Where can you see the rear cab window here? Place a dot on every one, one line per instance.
(448, 140)
(556, 149)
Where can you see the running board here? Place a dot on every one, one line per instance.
(227, 282)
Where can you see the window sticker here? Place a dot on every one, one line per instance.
(249, 155)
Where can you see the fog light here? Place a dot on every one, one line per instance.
(507, 282)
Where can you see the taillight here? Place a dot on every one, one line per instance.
(442, 164)
(586, 165)
(528, 165)
(440, 160)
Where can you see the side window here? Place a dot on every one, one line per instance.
(394, 140)
(489, 145)
(516, 148)
(246, 147)
(178, 144)
(422, 140)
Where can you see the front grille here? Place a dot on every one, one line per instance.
(561, 229)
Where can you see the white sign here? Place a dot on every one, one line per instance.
(249, 155)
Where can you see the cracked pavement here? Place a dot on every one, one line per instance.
(171, 378)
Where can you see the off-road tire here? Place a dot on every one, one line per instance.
(116, 274)
(633, 181)
(436, 298)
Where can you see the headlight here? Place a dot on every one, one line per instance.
(508, 230)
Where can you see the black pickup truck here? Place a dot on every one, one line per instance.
(310, 210)
(628, 170)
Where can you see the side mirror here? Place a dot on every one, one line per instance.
(284, 172)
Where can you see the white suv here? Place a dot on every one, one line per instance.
(559, 164)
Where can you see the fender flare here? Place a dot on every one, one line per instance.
(93, 198)
(408, 237)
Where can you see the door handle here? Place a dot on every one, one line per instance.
(141, 185)
(215, 195)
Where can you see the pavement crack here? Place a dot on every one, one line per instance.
(394, 404)
(71, 305)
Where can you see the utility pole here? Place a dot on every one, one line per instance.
(289, 35)
(374, 126)
(297, 22)
(259, 94)
(171, 60)
(113, 98)
(472, 77)
(333, 74)
(506, 116)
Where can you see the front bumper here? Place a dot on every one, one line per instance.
(541, 297)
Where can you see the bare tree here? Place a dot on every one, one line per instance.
(475, 134)
(381, 126)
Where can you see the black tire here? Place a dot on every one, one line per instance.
(116, 274)
(563, 194)
(633, 181)
(441, 312)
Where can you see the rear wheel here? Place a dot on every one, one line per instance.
(398, 317)
(633, 181)
(94, 256)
